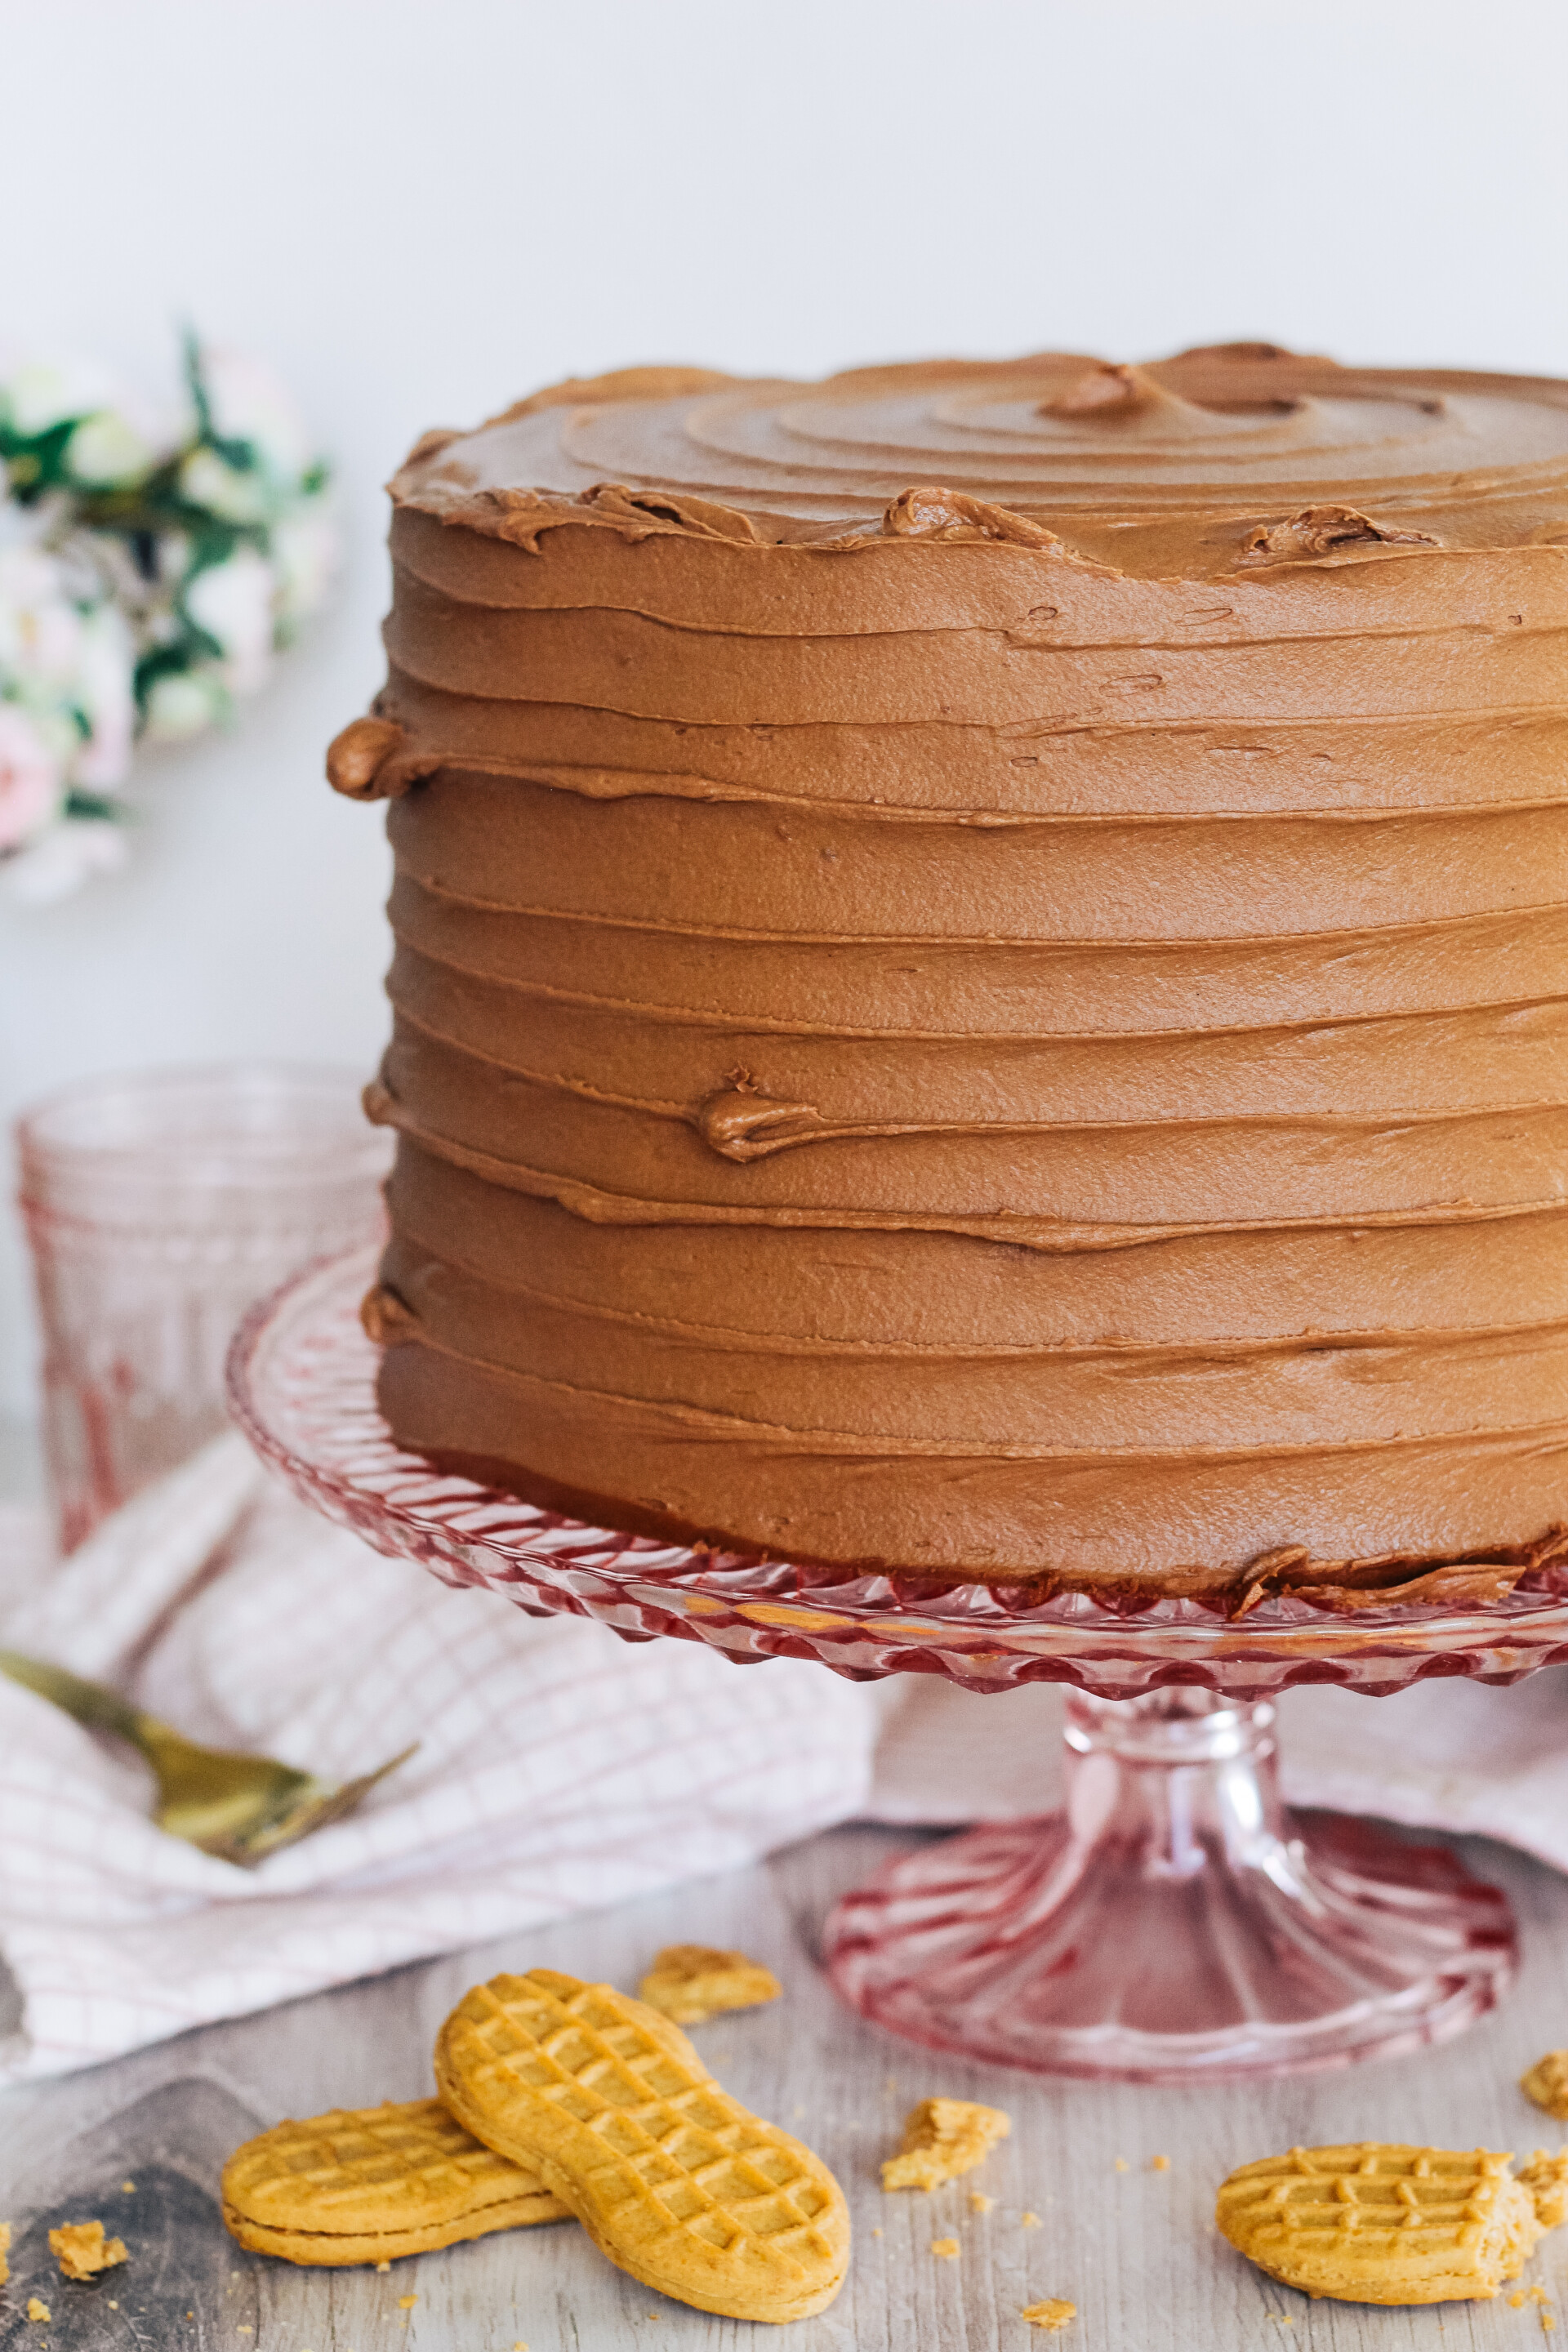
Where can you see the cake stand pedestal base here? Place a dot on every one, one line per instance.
(1174, 1921)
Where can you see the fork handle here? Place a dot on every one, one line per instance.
(90, 1703)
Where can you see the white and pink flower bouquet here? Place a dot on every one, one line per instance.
(150, 567)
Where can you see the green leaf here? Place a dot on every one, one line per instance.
(36, 461)
(240, 454)
(94, 805)
(187, 652)
(196, 382)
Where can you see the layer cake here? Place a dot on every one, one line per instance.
(982, 966)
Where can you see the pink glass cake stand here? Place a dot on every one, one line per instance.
(1173, 1922)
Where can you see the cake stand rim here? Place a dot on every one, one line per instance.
(1485, 1641)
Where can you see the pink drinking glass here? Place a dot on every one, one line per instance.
(159, 1205)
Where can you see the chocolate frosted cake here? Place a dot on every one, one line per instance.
(981, 971)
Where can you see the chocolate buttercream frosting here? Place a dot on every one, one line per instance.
(982, 967)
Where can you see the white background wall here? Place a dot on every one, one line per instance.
(421, 208)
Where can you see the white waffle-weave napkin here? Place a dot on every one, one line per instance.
(559, 1769)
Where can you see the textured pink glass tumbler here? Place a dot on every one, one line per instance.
(159, 1206)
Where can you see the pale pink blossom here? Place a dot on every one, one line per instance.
(250, 401)
(105, 697)
(238, 496)
(183, 704)
(29, 779)
(306, 549)
(106, 449)
(233, 602)
(61, 859)
(40, 628)
(38, 392)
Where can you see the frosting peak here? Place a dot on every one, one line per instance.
(1109, 394)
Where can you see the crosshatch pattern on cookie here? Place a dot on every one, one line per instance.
(658, 2154)
(400, 2166)
(1382, 2223)
(709, 2164)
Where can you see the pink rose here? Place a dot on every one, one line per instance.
(29, 779)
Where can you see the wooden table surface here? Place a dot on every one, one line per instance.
(1133, 2248)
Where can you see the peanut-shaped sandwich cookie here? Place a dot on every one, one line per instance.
(1378, 2224)
(372, 2184)
(674, 2180)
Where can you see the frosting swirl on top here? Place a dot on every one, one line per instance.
(1143, 467)
(982, 972)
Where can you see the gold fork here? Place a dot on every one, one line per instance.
(241, 1807)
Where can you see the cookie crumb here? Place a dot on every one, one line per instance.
(1051, 2315)
(1122, 2165)
(1546, 2178)
(37, 2310)
(4, 2250)
(979, 2202)
(946, 2250)
(128, 2189)
(875, 2233)
(942, 2139)
(1028, 2221)
(407, 2302)
(692, 1981)
(1547, 2084)
(1517, 2299)
(82, 2251)
(382, 2266)
(1539, 2294)
(1159, 2164)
